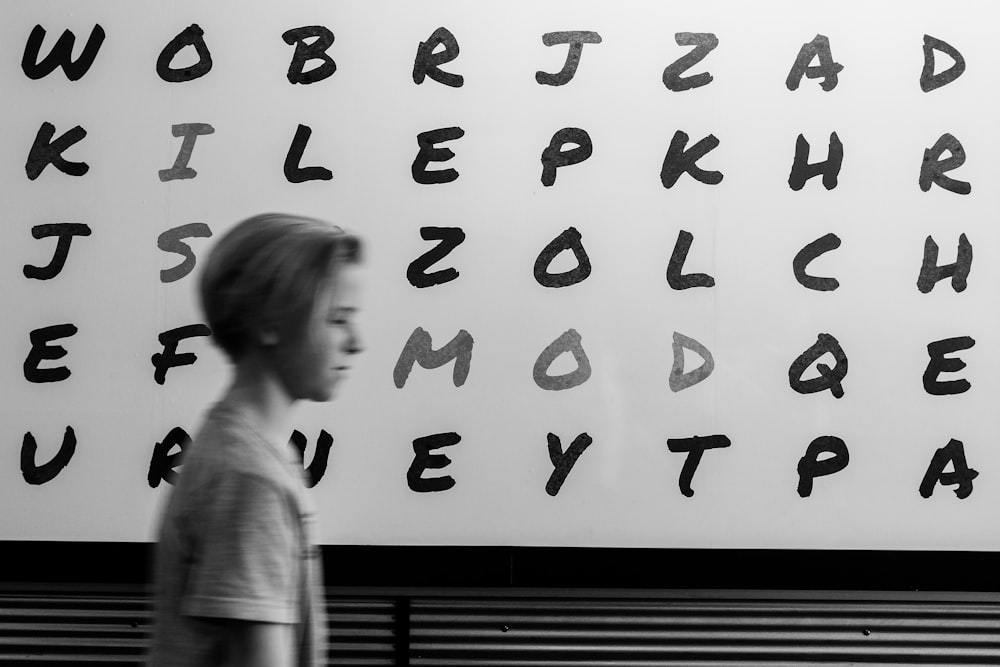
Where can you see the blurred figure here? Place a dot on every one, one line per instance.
(238, 576)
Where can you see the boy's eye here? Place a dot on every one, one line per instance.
(340, 316)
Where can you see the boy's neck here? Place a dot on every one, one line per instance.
(261, 400)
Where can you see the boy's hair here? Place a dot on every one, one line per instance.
(266, 273)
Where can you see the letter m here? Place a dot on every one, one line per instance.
(418, 349)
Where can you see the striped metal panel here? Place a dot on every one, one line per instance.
(69, 627)
(526, 632)
(362, 631)
(53, 628)
(553, 627)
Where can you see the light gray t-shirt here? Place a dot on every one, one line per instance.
(236, 542)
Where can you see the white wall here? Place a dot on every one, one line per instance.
(623, 491)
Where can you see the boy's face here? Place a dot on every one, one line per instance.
(312, 361)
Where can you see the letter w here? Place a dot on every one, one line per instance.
(61, 54)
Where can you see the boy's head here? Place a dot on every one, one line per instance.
(263, 277)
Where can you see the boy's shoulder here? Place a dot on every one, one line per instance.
(227, 446)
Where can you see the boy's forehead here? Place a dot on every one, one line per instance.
(343, 289)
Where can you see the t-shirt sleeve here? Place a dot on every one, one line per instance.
(248, 565)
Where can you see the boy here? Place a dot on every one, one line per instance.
(238, 578)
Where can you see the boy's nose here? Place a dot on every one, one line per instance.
(353, 345)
